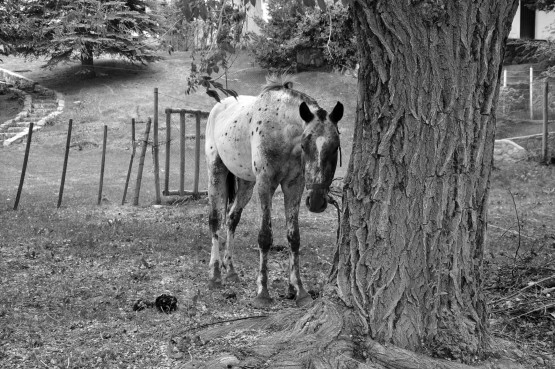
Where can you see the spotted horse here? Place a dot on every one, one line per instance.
(280, 137)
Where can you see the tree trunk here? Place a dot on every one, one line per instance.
(87, 61)
(406, 278)
(409, 260)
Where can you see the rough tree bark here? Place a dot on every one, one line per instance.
(415, 197)
(407, 270)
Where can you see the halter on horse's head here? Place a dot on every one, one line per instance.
(320, 145)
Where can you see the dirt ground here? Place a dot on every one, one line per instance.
(72, 279)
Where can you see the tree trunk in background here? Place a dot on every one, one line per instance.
(415, 198)
(87, 60)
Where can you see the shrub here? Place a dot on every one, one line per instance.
(291, 29)
(510, 101)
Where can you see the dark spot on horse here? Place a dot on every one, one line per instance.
(256, 129)
(252, 133)
(322, 114)
(210, 147)
(226, 133)
(250, 120)
(259, 122)
(259, 109)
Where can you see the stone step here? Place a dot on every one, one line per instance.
(13, 129)
(20, 124)
(44, 97)
(44, 111)
(45, 106)
(6, 135)
(37, 116)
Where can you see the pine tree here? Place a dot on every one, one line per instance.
(66, 30)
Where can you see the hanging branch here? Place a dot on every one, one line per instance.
(518, 224)
(329, 36)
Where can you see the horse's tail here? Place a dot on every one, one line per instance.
(230, 182)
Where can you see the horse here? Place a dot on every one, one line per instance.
(280, 137)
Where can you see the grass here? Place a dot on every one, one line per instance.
(82, 267)
(69, 277)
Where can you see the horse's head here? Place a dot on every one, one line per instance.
(320, 145)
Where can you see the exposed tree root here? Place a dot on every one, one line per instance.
(324, 336)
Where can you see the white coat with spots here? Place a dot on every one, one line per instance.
(281, 137)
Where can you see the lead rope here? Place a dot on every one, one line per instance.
(332, 201)
(340, 157)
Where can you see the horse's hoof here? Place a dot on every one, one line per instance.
(262, 302)
(214, 284)
(290, 295)
(232, 278)
(303, 301)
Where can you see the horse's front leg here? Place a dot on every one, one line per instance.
(292, 194)
(265, 193)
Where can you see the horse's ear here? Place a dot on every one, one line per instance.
(305, 112)
(337, 113)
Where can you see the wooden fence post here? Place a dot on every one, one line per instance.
(155, 149)
(130, 161)
(64, 169)
(182, 154)
(197, 154)
(25, 160)
(102, 165)
(545, 135)
(141, 164)
(531, 93)
(168, 148)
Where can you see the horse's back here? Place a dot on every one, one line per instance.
(227, 135)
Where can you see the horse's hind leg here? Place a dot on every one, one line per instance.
(242, 197)
(217, 197)
(292, 193)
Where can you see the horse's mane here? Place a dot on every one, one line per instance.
(276, 82)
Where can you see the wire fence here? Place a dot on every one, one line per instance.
(46, 157)
(522, 94)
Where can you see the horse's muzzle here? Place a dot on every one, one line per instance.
(316, 201)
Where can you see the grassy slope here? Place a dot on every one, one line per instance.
(69, 277)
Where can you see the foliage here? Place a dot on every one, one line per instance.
(219, 34)
(67, 30)
(544, 5)
(5, 29)
(291, 29)
(510, 100)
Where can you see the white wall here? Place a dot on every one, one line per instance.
(515, 28)
(544, 22)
